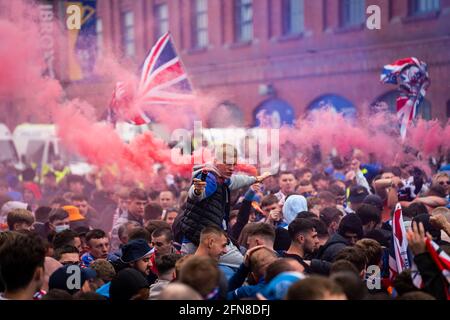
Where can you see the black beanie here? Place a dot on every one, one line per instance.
(351, 223)
(126, 284)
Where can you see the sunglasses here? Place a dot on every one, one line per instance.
(444, 182)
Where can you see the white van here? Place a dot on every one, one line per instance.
(39, 144)
(8, 150)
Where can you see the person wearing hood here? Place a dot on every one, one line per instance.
(349, 232)
(293, 205)
(208, 202)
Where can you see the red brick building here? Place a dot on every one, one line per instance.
(285, 53)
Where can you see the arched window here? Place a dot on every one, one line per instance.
(391, 100)
(274, 113)
(335, 102)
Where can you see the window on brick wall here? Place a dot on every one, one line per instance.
(352, 12)
(448, 109)
(243, 20)
(128, 34)
(200, 24)
(161, 19)
(418, 7)
(293, 17)
(99, 31)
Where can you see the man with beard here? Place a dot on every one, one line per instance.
(304, 242)
(136, 254)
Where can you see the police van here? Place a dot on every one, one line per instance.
(8, 152)
(38, 145)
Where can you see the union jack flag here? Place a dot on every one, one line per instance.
(119, 98)
(442, 260)
(412, 76)
(163, 81)
(399, 259)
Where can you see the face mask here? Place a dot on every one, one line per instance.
(59, 229)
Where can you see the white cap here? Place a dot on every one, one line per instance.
(11, 205)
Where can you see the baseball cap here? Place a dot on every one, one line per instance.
(374, 200)
(357, 194)
(60, 278)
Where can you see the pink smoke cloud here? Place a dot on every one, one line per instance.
(26, 93)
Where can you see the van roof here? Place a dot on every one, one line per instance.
(5, 134)
(35, 130)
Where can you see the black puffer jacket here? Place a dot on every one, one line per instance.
(209, 211)
(433, 279)
(333, 246)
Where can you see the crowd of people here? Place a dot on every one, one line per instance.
(314, 231)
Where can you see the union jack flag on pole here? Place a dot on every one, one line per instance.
(412, 76)
(163, 81)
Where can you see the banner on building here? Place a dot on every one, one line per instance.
(81, 28)
(47, 40)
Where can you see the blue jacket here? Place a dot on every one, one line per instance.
(246, 291)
